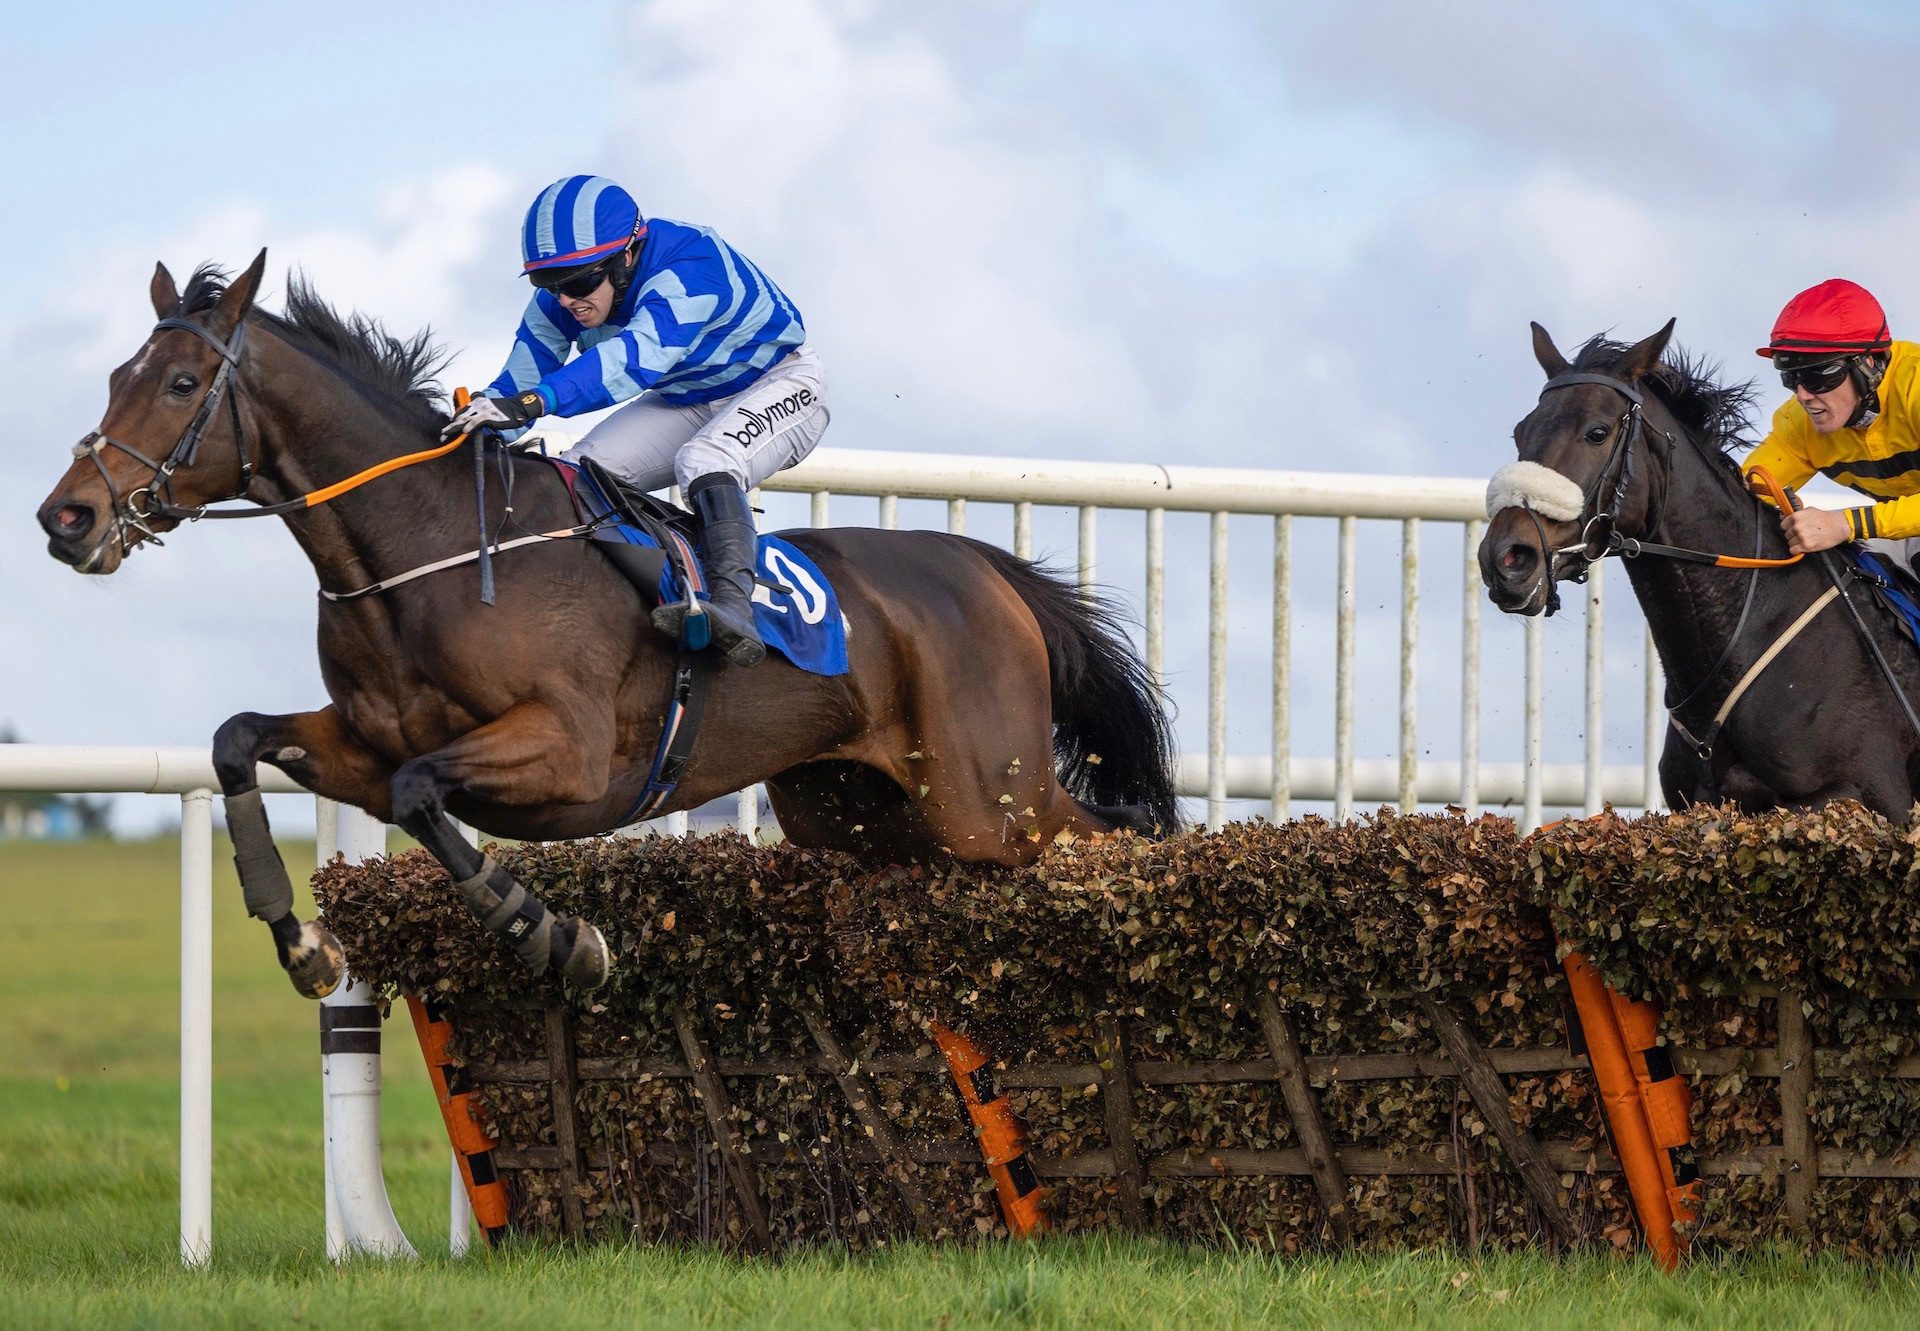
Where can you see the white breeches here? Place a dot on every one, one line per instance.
(750, 436)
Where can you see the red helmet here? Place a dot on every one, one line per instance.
(1837, 317)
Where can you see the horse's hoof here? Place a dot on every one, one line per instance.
(317, 962)
(580, 951)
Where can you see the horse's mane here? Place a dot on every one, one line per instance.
(1715, 416)
(400, 373)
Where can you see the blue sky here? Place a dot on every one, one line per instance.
(1293, 235)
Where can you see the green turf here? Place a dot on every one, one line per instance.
(88, 1201)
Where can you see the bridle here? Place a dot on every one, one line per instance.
(155, 498)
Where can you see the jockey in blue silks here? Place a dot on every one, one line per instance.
(708, 354)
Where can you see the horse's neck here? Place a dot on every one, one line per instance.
(329, 431)
(1693, 610)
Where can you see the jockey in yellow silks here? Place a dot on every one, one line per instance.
(1854, 417)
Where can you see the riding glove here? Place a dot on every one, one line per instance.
(501, 413)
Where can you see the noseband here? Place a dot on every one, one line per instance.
(155, 499)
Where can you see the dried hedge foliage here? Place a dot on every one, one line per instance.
(1341, 923)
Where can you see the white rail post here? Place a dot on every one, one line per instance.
(1156, 613)
(459, 1211)
(890, 512)
(196, 1027)
(359, 1214)
(1343, 676)
(957, 516)
(459, 1205)
(1217, 673)
(1656, 729)
(1089, 537)
(1409, 664)
(746, 813)
(1470, 677)
(817, 513)
(1593, 797)
(1023, 529)
(1280, 797)
(1530, 781)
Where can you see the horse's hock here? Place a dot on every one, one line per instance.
(1306, 1035)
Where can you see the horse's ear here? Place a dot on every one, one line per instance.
(1547, 354)
(166, 296)
(1644, 355)
(237, 299)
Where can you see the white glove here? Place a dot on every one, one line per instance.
(502, 413)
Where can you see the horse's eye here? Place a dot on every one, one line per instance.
(183, 385)
(1596, 433)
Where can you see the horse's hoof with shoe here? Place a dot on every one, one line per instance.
(316, 963)
(580, 954)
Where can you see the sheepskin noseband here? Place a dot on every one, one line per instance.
(1545, 490)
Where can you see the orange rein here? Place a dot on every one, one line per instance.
(1761, 482)
(460, 399)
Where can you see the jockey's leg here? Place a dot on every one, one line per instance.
(528, 755)
(754, 434)
(638, 442)
(730, 551)
(316, 750)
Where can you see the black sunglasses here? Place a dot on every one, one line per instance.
(1819, 377)
(573, 283)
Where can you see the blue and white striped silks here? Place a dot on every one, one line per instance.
(700, 322)
(576, 221)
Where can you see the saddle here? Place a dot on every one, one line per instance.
(619, 511)
(1894, 586)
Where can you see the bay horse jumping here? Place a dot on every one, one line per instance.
(990, 708)
(1631, 445)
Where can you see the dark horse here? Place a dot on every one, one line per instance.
(989, 709)
(1817, 723)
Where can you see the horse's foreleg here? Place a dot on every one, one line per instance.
(315, 749)
(527, 756)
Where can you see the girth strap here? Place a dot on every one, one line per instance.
(692, 672)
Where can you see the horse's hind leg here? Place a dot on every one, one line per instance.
(315, 750)
(527, 756)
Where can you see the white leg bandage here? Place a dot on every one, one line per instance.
(1545, 490)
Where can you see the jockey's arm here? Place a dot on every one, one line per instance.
(540, 347)
(622, 367)
(1785, 463)
(1823, 529)
(1810, 529)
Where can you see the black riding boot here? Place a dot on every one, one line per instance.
(731, 551)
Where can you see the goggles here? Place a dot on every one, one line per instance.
(573, 283)
(1821, 376)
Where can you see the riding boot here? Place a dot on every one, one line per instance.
(731, 554)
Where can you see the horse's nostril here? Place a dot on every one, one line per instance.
(1515, 559)
(68, 521)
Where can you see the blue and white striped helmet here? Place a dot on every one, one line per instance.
(577, 221)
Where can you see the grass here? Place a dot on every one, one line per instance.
(88, 1201)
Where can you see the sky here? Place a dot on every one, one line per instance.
(1252, 234)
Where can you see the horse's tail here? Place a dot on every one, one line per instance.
(1112, 740)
